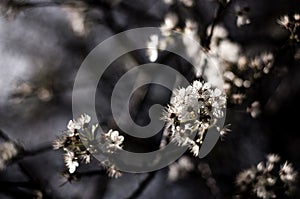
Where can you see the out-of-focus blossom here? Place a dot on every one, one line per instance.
(229, 51)
(170, 23)
(8, 151)
(187, 3)
(152, 48)
(255, 109)
(284, 21)
(180, 168)
(262, 180)
(242, 14)
(76, 15)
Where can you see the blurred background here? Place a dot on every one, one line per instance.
(43, 44)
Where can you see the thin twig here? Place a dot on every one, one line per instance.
(137, 193)
(4, 136)
(45, 192)
(219, 13)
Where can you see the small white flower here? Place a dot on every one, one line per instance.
(271, 181)
(86, 158)
(255, 109)
(195, 150)
(242, 20)
(73, 125)
(85, 119)
(59, 142)
(261, 167)
(245, 177)
(115, 137)
(70, 161)
(78, 123)
(170, 22)
(287, 173)
(112, 141)
(273, 158)
(284, 21)
(224, 131)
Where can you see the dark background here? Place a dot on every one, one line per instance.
(38, 47)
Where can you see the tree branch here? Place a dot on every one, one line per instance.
(143, 186)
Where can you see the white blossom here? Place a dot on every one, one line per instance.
(192, 109)
(242, 20)
(284, 21)
(82, 141)
(273, 158)
(255, 109)
(180, 168)
(112, 141)
(71, 161)
(78, 123)
(287, 173)
(195, 150)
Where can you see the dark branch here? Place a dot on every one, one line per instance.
(143, 186)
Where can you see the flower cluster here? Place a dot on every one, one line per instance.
(292, 24)
(193, 109)
(8, 150)
(72, 144)
(81, 141)
(264, 179)
(244, 73)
